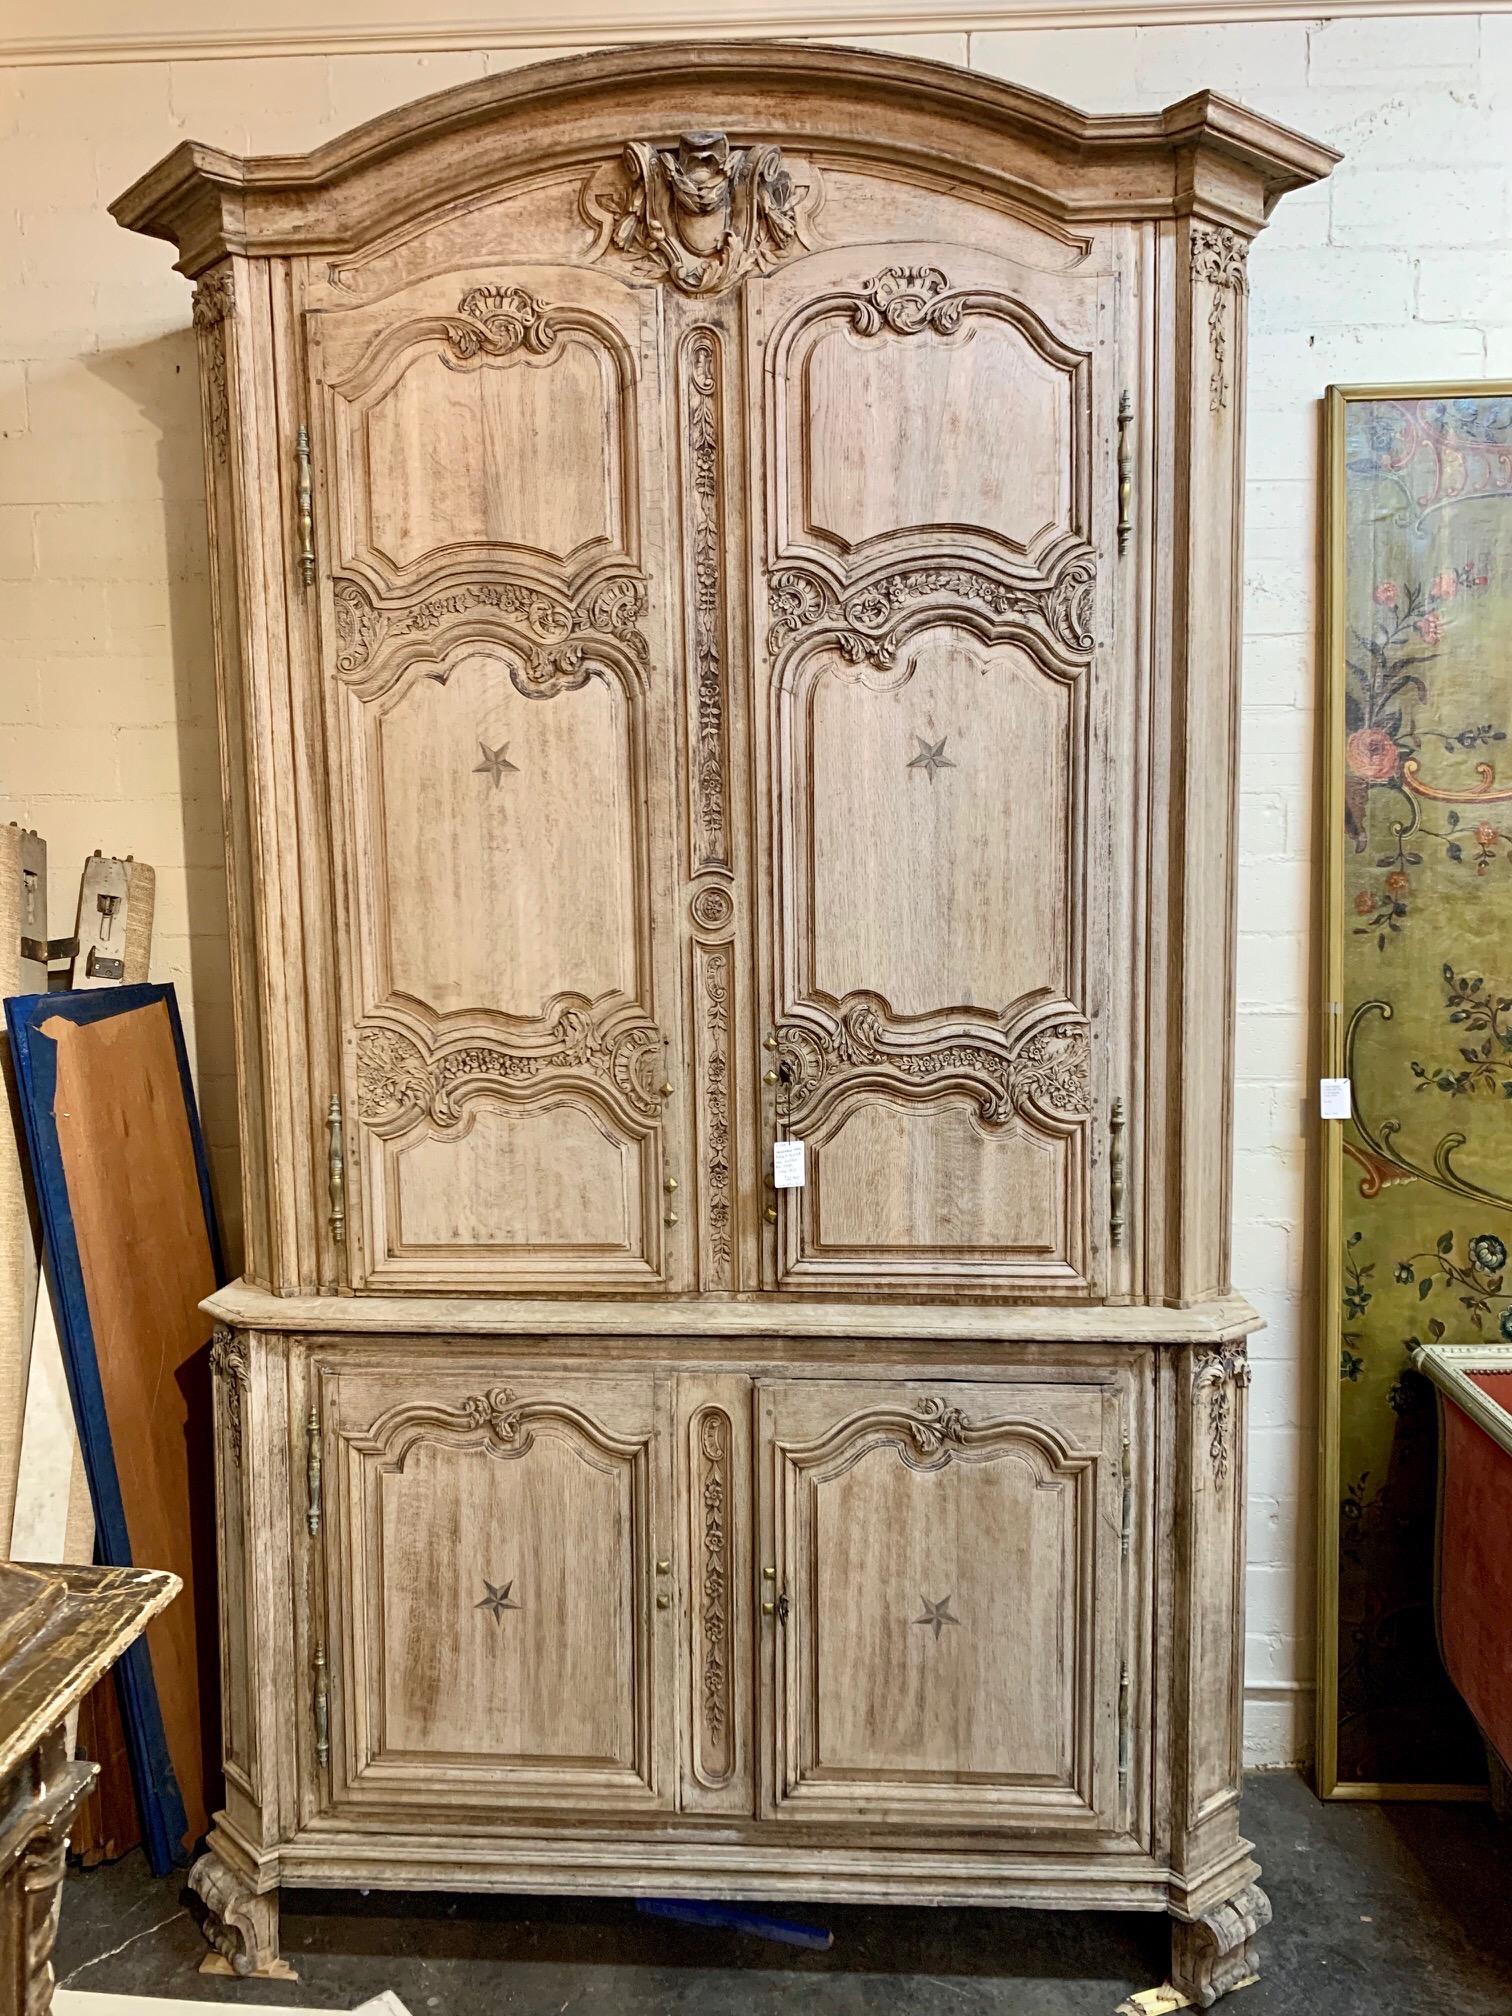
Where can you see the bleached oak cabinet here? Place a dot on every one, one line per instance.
(725, 570)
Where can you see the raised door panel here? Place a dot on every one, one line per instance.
(933, 737)
(951, 1602)
(487, 482)
(489, 1561)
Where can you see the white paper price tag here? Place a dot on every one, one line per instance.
(1333, 1098)
(787, 1165)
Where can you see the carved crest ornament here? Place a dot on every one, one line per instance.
(703, 213)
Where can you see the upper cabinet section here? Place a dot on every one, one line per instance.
(723, 567)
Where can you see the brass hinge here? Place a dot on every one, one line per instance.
(1116, 1173)
(312, 1469)
(1126, 1531)
(1125, 472)
(322, 1711)
(306, 507)
(336, 1171)
(1123, 1731)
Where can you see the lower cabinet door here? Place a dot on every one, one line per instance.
(944, 1568)
(492, 1637)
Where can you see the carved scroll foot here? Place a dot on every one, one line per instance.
(240, 1924)
(1212, 1954)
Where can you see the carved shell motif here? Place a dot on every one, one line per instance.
(908, 299)
(500, 321)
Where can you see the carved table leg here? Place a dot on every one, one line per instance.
(1211, 1954)
(240, 1923)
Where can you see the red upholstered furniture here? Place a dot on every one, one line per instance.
(1475, 1538)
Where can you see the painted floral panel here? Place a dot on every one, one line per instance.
(1427, 1019)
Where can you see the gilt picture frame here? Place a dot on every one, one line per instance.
(1415, 1191)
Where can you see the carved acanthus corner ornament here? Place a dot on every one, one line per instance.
(938, 1422)
(1220, 257)
(864, 627)
(703, 212)
(397, 1084)
(1218, 1370)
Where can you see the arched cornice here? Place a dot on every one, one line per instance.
(1205, 156)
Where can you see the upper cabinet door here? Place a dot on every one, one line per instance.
(931, 736)
(496, 726)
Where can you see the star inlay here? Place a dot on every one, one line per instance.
(497, 1601)
(936, 1615)
(495, 763)
(931, 757)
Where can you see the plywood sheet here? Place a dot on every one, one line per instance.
(132, 1251)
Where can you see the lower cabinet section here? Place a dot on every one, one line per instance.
(493, 1591)
(849, 1601)
(803, 1614)
(946, 1564)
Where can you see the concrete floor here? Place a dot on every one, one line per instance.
(1380, 1911)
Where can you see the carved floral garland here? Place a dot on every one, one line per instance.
(1218, 1370)
(863, 627)
(394, 1077)
(707, 540)
(714, 1447)
(214, 299)
(557, 644)
(1049, 1070)
(1220, 257)
(228, 1365)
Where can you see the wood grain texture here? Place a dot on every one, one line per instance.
(758, 659)
(144, 1253)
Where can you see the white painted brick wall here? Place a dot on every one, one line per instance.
(1398, 268)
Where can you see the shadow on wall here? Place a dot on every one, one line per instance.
(161, 379)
